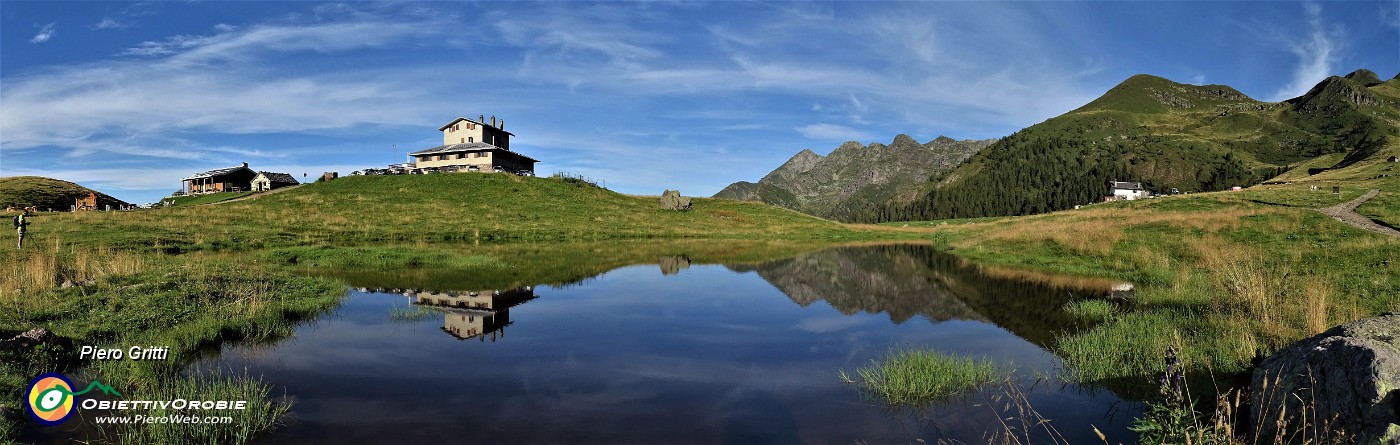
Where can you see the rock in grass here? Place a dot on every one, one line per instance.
(1350, 376)
(672, 200)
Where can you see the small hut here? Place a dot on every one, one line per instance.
(88, 202)
(265, 181)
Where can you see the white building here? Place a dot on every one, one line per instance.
(1128, 190)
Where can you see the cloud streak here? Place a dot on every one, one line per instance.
(110, 23)
(45, 33)
(209, 84)
(832, 132)
(1317, 53)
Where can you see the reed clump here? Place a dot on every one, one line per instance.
(918, 377)
(261, 414)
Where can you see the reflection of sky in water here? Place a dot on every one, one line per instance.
(707, 355)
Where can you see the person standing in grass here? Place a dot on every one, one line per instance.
(21, 226)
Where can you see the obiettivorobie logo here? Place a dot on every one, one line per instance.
(51, 400)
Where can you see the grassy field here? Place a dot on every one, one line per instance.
(434, 209)
(117, 299)
(1229, 275)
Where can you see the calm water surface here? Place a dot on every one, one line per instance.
(672, 352)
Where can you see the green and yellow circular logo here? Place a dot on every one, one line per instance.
(50, 398)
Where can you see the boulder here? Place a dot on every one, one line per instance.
(672, 200)
(1346, 379)
(28, 339)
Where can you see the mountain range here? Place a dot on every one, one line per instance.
(842, 183)
(1146, 129)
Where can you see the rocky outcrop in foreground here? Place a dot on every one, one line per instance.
(1346, 380)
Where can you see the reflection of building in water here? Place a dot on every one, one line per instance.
(475, 313)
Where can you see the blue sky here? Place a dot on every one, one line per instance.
(130, 97)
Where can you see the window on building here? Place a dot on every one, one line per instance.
(464, 139)
(471, 139)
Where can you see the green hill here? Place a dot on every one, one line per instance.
(436, 208)
(46, 193)
(1165, 135)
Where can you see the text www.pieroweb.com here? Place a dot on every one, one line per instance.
(137, 419)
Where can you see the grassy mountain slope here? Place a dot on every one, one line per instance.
(1166, 135)
(46, 193)
(433, 208)
(845, 182)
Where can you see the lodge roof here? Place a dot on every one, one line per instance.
(218, 172)
(449, 124)
(281, 178)
(1127, 185)
(467, 147)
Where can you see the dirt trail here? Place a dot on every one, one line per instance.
(1346, 212)
(259, 194)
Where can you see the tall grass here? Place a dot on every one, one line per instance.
(41, 268)
(1093, 311)
(261, 414)
(122, 298)
(1231, 277)
(1018, 421)
(917, 377)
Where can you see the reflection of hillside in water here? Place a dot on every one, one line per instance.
(908, 280)
(875, 279)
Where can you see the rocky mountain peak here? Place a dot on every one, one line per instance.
(799, 163)
(1335, 93)
(942, 140)
(903, 140)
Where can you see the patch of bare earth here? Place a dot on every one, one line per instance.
(1346, 212)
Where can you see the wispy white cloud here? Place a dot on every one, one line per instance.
(899, 67)
(136, 106)
(111, 23)
(45, 33)
(832, 132)
(1317, 52)
(1390, 14)
(230, 43)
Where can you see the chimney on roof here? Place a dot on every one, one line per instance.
(493, 120)
(245, 165)
(503, 124)
(481, 118)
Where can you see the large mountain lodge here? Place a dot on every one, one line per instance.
(473, 145)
